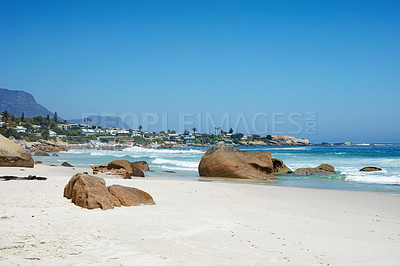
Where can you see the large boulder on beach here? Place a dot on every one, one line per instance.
(90, 192)
(323, 169)
(129, 196)
(234, 163)
(280, 168)
(370, 169)
(142, 165)
(13, 155)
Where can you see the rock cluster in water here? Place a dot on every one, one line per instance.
(322, 169)
(234, 163)
(123, 168)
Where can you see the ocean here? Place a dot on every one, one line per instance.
(182, 163)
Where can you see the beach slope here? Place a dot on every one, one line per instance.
(201, 223)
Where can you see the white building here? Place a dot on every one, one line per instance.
(67, 126)
(136, 133)
(88, 131)
(189, 137)
(52, 133)
(119, 131)
(20, 129)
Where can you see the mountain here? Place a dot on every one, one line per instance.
(103, 121)
(18, 102)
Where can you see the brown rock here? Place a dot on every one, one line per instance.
(118, 164)
(13, 155)
(370, 169)
(137, 172)
(41, 153)
(167, 146)
(124, 164)
(234, 163)
(128, 196)
(280, 168)
(47, 146)
(142, 165)
(90, 192)
(103, 168)
(323, 169)
(326, 167)
(66, 164)
(99, 168)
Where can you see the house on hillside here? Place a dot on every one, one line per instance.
(20, 129)
(246, 137)
(52, 133)
(67, 126)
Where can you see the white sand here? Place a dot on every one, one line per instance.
(196, 223)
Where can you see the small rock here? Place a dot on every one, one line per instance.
(370, 169)
(41, 153)
(280, 168)
(323, 169)
(142, 165)
(66, 164)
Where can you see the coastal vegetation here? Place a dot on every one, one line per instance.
(53, 128)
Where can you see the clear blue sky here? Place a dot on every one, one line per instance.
(339, 59)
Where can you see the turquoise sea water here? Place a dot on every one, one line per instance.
(346, 159)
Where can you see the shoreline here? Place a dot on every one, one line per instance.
(196, 222)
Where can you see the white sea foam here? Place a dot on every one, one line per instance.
(163, 151)
(77, 151)
(178, 168)
(377, 179)
(286, 148)
(185, 164)
(380, 177)
(136, 152)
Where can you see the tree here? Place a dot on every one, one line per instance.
(22, 117)
(45, 133)
(48, 118)
(186, 132)
(140, 128)
(55, 117)
(194, 130)
(231, 131)
(5, 116)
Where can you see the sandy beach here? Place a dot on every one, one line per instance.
(196, 223)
